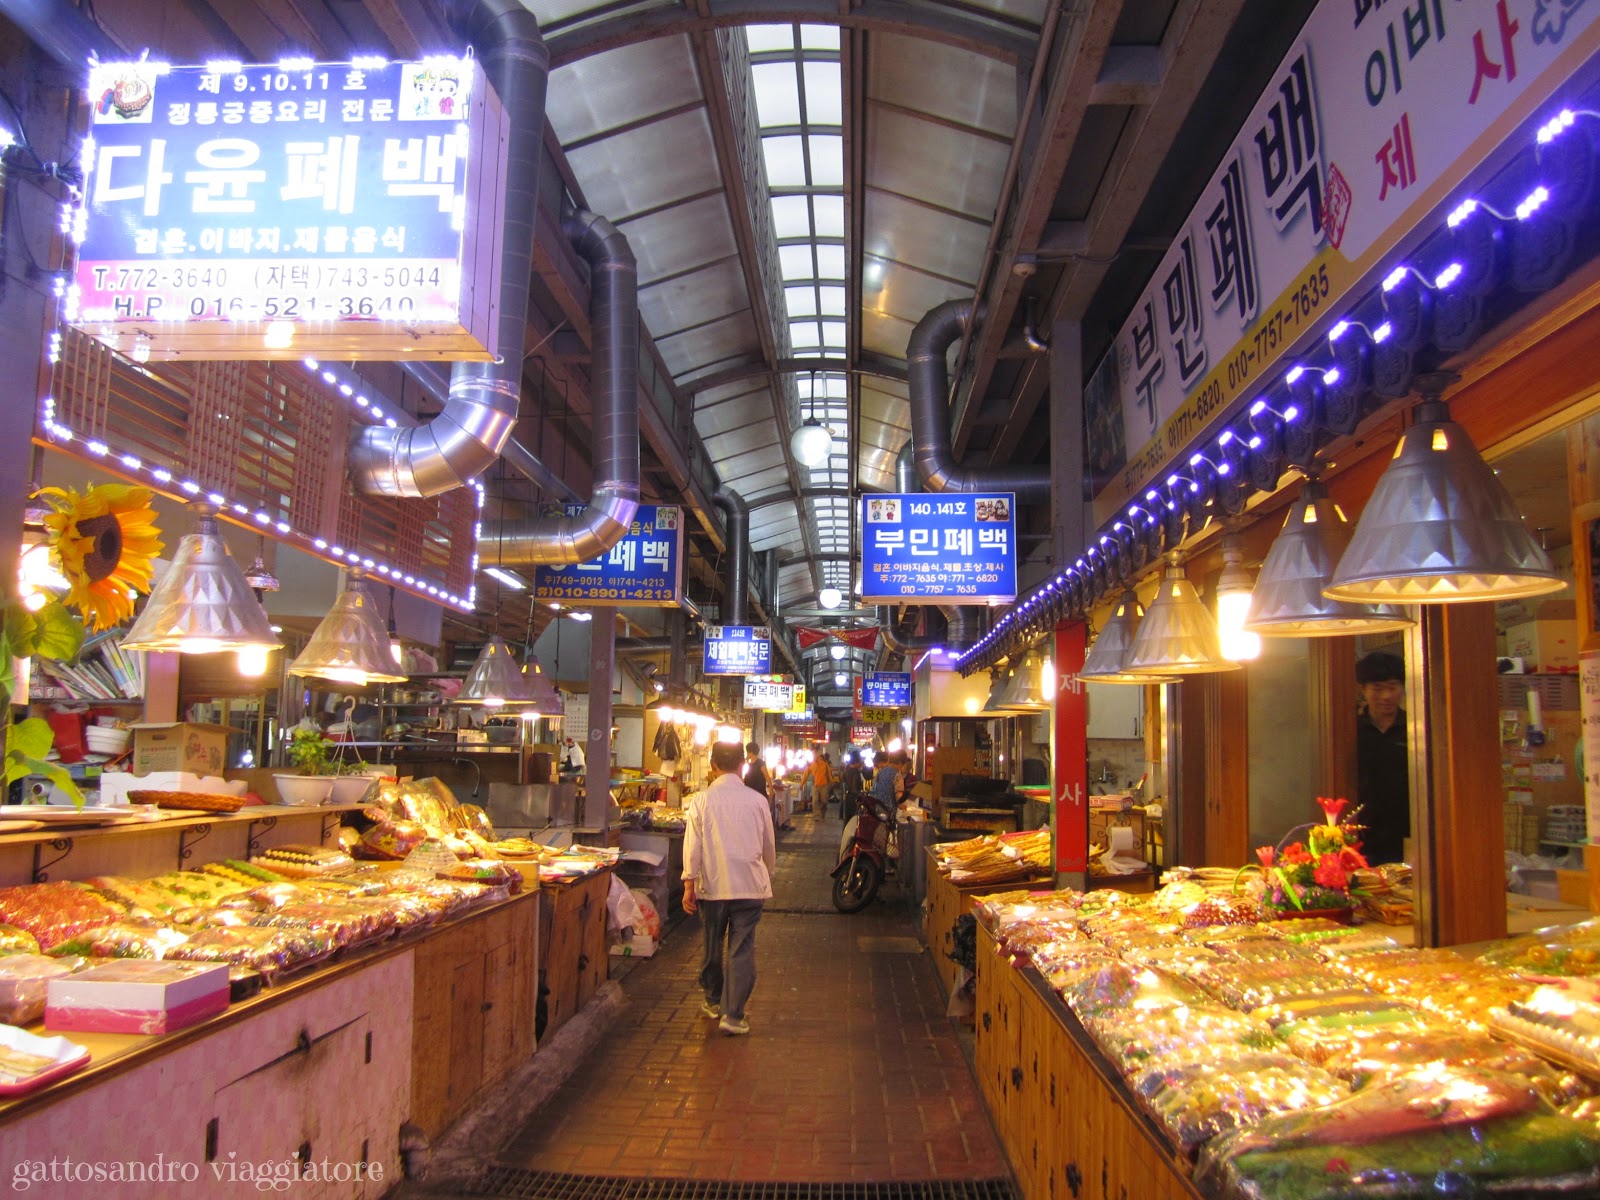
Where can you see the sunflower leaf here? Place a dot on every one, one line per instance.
(21, 631)
(59, 633)
(30, 738)
(19, 766)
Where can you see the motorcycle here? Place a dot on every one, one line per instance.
(866, 857)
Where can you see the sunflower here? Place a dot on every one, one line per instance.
(104, 542)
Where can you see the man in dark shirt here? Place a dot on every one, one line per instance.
(1383, 786)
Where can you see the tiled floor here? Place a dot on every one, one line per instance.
(851, 1073)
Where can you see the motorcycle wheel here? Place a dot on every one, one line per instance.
(856, 885)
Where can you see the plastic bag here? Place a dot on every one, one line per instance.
(622, 910)
(651, 926)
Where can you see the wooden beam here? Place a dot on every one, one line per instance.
(1131, 76)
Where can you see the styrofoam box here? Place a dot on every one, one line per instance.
(115, 785)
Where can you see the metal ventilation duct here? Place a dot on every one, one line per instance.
(930, 414)
(905, 469)
(736, 586)
(899, 644)
(963, 628)
(614, 376)
(466, 438)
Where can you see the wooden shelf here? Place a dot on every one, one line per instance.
(246, 815)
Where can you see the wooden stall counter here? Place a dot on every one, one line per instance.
(574, 958)
(947, 901)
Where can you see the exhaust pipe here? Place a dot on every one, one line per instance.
(466, 438)
(930, 414)
(903, 645)
(735, 587)
(614, 316)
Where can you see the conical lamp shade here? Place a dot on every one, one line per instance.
(1440, 527)
(1024, 693)
(999, 686)
(351, 645)
(1288, 599)
(1106, 660)
(496, 678)
(202, 604)
(1178, 635)
(544, 697)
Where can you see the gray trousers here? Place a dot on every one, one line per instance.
(727, 976)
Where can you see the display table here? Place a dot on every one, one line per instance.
(1064, 1115)
(947, 901)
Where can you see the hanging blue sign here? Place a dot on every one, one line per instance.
(281, 210)
(939, 546)
(738, 650)
(645, 567)
(886, 689)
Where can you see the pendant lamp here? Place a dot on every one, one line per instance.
(1178, 635)
(545, 700)
(202, 604)
(1440, 527)
(496, 679)
(999, 685)
(1025, 693)
(1107, 658)
(1234, 587)
(1288, 599)
(351, 645)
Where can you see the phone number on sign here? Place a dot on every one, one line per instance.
(308, 292)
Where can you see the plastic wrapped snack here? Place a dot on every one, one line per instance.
(1318, 1039)
(17, 941)
(1202, 1101)
(303, 862)
(1439, 1130)
(1136, 992)
(428, 802)
(389, 841)
(484, 870)
(53, 912)
(1249, 985)
(131, 937)
(24, 980)
(1382, 1059)
(1134, 1045)
(269, 951)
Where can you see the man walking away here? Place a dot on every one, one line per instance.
(729, 854)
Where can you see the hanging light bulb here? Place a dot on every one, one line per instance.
(840, 679)
(1233, 603)
(252, 661)
(830, 597)
(812, 442)
(1440, 526)
(1178, 635)
(1289, 600)
(837, 651)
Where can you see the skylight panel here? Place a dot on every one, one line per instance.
(819, 37)
(791, 217)
(762, 38)
(800, 301)
(832, 302)
(778, 93)
(824, 105)
(830, 261)
(795, 263)
(785, 160)
(833, 333)
(805, 335)
(829, 212)
(827, 160)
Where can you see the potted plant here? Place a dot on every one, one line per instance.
(324, 775)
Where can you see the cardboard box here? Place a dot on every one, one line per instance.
(137, 996)
(1573, 887)
(180, 746)
(1549, 643)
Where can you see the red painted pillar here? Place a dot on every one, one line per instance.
(1069, 757)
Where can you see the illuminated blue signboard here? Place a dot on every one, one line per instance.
(738, 650)
(645, 567)
(886, 689)
(939, 546)
(275, 211)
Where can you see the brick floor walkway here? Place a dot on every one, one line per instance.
(851, 1073)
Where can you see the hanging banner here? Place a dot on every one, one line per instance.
(737, 650)
(939, 546)
(644, 568)
(886, 689)
(1376, 116)
(861, 639)
(272, 212)
(768, 693)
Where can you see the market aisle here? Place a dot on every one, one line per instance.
(851, 1073)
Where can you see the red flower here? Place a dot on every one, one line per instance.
(1331, 807)
(1351, 860)
(1265, 854)
(1295, 854)
(1330, 874)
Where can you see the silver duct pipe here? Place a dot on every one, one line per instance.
(736, 580)
(434, 379)
(643, 647)
(614, 379)
(677, 659)
(905, 469)
(899, 644)
(466, 438)
(62, 31)
(962, 625)
(930, 414)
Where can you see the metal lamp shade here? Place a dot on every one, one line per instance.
(351, 645)
(1288, 599)
(496, 679)
(1178, 635)
(545, 700)
(1440, 528)
(202, 605)
(1105, 662)
(994, 706)
(1024, 693)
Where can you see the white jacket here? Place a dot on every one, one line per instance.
(729, 849)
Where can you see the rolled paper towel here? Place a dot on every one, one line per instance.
(1121, 840)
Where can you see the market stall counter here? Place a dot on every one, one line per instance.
(959, 873)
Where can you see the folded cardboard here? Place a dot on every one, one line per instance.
(1548, 645)
(137, 996)
(180, 746)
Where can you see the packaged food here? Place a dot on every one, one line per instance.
(302, 862)
(17, 941)
(389, 841)
(269, 951)
(484, 870)
(52, 912)
(1437, 1129)
(24, 980)
(1200, 1101)
(131, 937)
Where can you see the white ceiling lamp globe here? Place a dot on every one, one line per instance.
(837, 651)
(812, 443)
(830, 597)
(841, 679)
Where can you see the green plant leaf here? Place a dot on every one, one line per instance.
(1289, 888)
(31, 738)
(59, 633)
(54, 772)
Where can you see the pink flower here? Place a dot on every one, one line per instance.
(1266, 855)
(1331, 807)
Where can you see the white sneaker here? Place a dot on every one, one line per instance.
(734, 1026)
(708, 1009)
